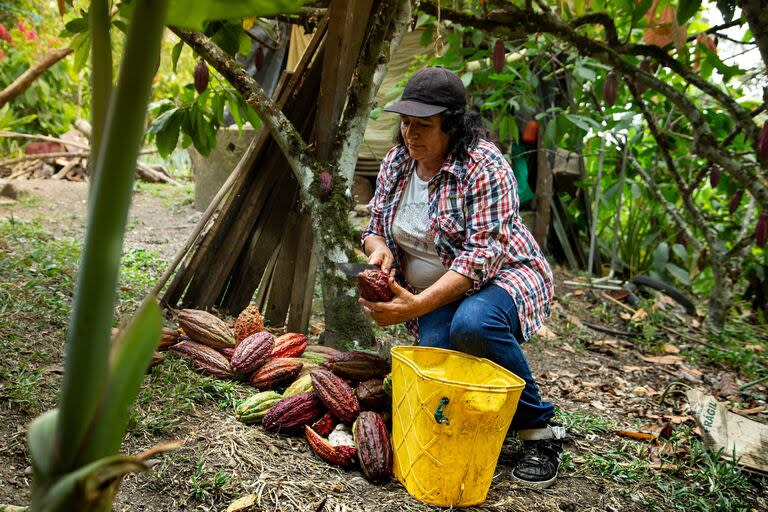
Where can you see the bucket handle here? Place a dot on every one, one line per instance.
(440, 416)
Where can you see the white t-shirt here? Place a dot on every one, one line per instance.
(411, 231)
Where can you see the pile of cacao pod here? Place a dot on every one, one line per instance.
(340, 401)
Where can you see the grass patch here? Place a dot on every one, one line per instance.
(173, 197)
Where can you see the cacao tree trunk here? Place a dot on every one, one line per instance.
(721, 296)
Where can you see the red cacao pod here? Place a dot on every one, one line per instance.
(714, 175)
(530, 132)
(274, 372)
(204, 358)
(325, 186)
(325, 425)
(355, 365)
(342, 456)
(258, 58)
(499, 55)
(291, 344)
(248, 322)
(227, 352)
(370, 393)
(762, 144)
(253, 352)
(292, 413)
(610, 88)
(374, 449)
(735, 201)
(203, 327)
(201, 76)
(336, 395)
(761, 229)
(374, 286)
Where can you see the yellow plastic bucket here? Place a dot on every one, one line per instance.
(450, 414)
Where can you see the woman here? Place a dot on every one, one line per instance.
(445, 215)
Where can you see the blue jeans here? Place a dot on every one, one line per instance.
(485, 324)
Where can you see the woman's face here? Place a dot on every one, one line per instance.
(424, 137)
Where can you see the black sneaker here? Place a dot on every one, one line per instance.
(541, 456)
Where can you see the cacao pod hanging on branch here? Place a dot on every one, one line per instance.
(610, 89)
(201, 76)
(499, 55)
(762, 144)
(735, 201)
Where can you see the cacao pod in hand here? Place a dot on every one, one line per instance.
(611, 88)
(253, 352)
(374, 286)
(291, 344)
(762, 144)
(761, 229)
(205, 328)
(735, 201)
(274, 372)
(336, 395)
(201, 76)
(342, 456)
(355, 365)
(499, 55)
(292, 413)
(374, 449)
(204, 358)
(248, 322)
(714, 175)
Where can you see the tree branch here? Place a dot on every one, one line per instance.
(24, 80)
(288, 139)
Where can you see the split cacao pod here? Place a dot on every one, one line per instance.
(735, 201)
(610, 88)
(374, 286)
(168, 337)
(322, 349)
(248, 322)
(301, 385)
(371, 395)
(325, 425)
(203, 327)
(204, 358)
(761, 230)
(325, 186)
(255, 407)
(355, 365)
(762, 144)
(253, 352)
(342, 456)
(291, 344)
(292, 413)
(374, 449)
(201, 76)
(274, 372)
(499, 55)
(336, 395)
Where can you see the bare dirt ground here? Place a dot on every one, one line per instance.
(586, 373)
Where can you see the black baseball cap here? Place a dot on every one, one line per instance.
(430, 91)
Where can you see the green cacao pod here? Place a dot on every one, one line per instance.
(336, 395)
(291, 414)
(374, 449)
(315, 357)
(253, 352)
(255, 407)
(301, 385)
(203, 327)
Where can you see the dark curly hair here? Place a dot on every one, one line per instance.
(464, 129)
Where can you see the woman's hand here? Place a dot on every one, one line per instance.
(402, 307)
(382, 257)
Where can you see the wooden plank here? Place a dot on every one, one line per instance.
(266, 281)
(303, 289)
(342, 49)
(282, 279)
(562, 238)
(543, 193)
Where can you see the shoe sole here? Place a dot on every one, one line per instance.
(543, 484)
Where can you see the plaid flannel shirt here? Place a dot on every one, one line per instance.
(474, 212)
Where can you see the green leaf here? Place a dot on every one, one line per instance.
(77, 25)
(661, 255)
(640, 9)
(162, 120)
(234, 108)
(686, 10)
(41, 442)
(167, 137)
(192, 13)
(252, 117)
(678, 273)
(549, 139)
(82, 46)
(680, 251)
(176, 53)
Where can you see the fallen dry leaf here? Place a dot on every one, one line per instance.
(625, 316)
(639, 315)
(640, 436)
(662, 359)
(754, 347)
(677, 420)
(753, 410)
(727, 385)
(546, 333)
(630, 368)
(692, 371)
(243, 503)
(666, 431)
(670, 348)
(597, 405)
